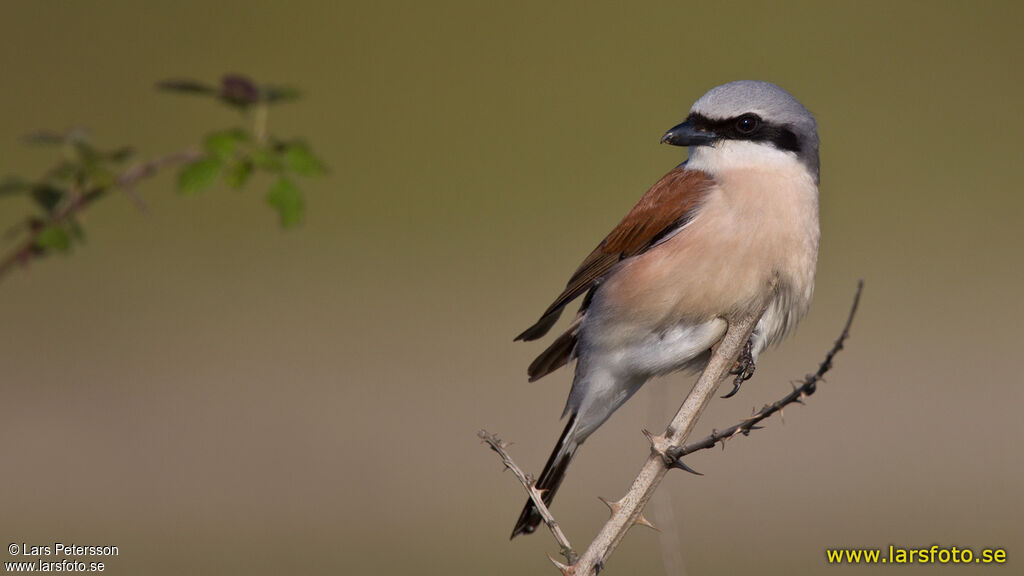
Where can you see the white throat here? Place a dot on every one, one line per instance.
(728, 155)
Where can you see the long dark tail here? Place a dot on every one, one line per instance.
(550, 479)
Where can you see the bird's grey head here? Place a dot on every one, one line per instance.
(754, 111)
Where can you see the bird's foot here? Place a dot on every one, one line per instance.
(743, 368)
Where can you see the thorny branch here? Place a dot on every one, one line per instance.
(807, 387)
(666, 450)
(27, 249)
(131, 177)
(628, 510)
(527, 481)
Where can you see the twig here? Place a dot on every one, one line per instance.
(131, 177)
(667, 449)
(260, 123)
(628, 511)
(499, 446)
(27, 250)
(807, 387)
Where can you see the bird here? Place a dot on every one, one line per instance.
(731, 229)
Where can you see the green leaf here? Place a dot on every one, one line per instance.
(266, 159)
(186, 86)
(47, 196)
(237, 174)
(45, 138)
(224, 144)
(299, 159)
(53, 238)
(100, 176)
(199, 175)
(286, 198)
(86, 153)
(276, 94)
(75, 230)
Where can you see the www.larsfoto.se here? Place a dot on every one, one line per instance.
(64, 565)
(897, 555)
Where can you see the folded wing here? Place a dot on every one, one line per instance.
(666, 207)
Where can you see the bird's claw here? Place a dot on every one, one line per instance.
(743, 369)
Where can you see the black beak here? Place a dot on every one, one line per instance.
(686, 134)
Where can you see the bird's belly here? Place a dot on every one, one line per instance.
(664, 351)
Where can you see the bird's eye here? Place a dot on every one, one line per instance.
(747, 124)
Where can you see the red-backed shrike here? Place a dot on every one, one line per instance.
(733, 228)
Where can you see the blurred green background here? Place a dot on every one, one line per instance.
(214, 395)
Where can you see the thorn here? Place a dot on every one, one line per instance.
(658, 444)
(678, 463)
(782, 415)
(563, 568)
(134, 194)
(645, 522)
(653, 438)
(613, 506)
